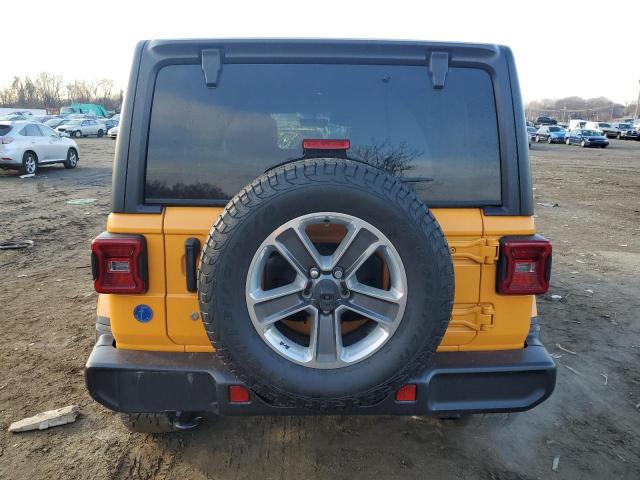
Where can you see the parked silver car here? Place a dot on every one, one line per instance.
(25, 145)
(531, 133)
(82, 128)
(54, 122)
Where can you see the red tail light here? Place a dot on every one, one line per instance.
(406, 393)
(524, 267)
(238, 394)
(119, 263)
(325, 144)
(7, 140)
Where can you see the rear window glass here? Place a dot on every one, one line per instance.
(207, 143)
(4, 129)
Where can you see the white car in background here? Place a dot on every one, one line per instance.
(26, 145)
(54, 122)
(81, 128)
(113, 133)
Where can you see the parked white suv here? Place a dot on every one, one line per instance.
(25, 145)
(81, 128)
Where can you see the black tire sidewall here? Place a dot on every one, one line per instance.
(428, 307)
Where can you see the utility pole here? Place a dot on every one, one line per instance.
(638, 104)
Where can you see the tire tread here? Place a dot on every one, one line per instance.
(295, 175)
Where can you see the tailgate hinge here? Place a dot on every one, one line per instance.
(478, 317)
(483, 250)
(490, 250)
(485, 316)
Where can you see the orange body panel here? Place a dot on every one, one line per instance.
(481, 319)
(183, 320)
(129, 333)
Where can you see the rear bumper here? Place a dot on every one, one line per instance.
(10, 158)
(454, 383)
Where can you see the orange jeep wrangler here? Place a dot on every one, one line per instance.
(319, 227)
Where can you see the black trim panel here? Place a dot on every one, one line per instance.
(191, 256)
(454, 383)
(121, 160)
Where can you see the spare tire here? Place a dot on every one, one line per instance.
(325, 284)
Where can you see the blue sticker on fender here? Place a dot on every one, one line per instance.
(143, 313)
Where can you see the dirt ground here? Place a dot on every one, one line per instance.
(592, 421)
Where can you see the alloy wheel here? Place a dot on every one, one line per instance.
(326, 315)
(30, 164)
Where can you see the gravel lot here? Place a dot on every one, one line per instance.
(592, 422)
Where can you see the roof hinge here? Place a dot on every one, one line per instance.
(211, 66)
(439, 67)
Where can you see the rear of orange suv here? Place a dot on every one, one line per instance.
(319, 227)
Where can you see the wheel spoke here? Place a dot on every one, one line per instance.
(357, 246)
(326, 341)
(296, 247)
(379, 305)
(278, 303)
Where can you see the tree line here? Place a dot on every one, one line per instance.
(48, 90)
(565, 109)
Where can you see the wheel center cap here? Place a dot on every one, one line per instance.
(326, 293)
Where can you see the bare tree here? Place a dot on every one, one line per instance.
(79, 92)
(47, 90)
(104, 88)
(394, 159)
(564, 109)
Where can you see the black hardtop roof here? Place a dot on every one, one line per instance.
(320, 41)
(278, 47)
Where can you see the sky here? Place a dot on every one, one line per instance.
(561, 48)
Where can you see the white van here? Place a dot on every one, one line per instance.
(604, 127)
(578, 124)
